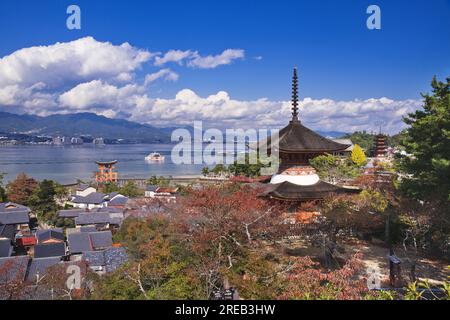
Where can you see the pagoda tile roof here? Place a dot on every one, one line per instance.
(290, 191)
(295, 137)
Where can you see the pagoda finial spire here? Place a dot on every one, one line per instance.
(295, 95)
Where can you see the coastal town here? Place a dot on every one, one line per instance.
(212, 159)
(328, 208)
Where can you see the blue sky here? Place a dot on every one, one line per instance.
(337, 56)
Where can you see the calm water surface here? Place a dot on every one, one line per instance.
(66, 164)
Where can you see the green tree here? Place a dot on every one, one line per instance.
(427, 141)
(219, 169)
(363, 139)
(332, 169)
(158, 181)
(358, 156)
(130, 189)
(205, 171)
(3, 197)
(43, 202)
(110, 187)
(246, 168)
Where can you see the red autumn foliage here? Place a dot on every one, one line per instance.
(307, 281)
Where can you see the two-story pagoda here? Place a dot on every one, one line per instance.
(296, 180)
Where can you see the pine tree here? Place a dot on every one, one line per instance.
(427, 141)
(358, 156)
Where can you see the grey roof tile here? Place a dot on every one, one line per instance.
(92, 218)
(47, 234)
(14, 217)
(115, 258)
(79, 242)
(92, 198)
(7, 231)
(82, 187)
(88, 229)
(108, 210)
(101, 239)
(11, 207)
(94, 258)
(118, 201)
(16, 268)
(50, 250)
(39, 266)
(70, 213)
(5, 248)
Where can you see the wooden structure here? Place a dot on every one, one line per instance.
(105, 172)
(380, 146)
(296, 180)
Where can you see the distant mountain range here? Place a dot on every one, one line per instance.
(91, 124)
(79, 124)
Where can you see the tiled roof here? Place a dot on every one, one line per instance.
(39, 266)
(82, 187)
(107, 209)
(111, 258)
(112, 195)
(70, 213)
(50, 250)
(94, 258)
(7, 231)
(87, 229)
(5, 248)
(115, 258)
(347, 142)
(79, 242)
(101, 239)
(290, 191)
(47, 234)
(14, 217)
(16, 268)
(92, 198)
(98, 218)
(89, 241)
(295, 137)
(92, 218)
(118, 201)
(11, 206)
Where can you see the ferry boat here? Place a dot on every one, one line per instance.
(155, 156)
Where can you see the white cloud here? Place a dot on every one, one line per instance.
(165, 74)
(174, 56)
(226, 57)
(195, 60)
(100, 97)
(91, 76)
(323, 114)
(84, 59)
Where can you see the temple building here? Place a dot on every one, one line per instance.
(380, 146)
(296, 180)
(105, 172)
